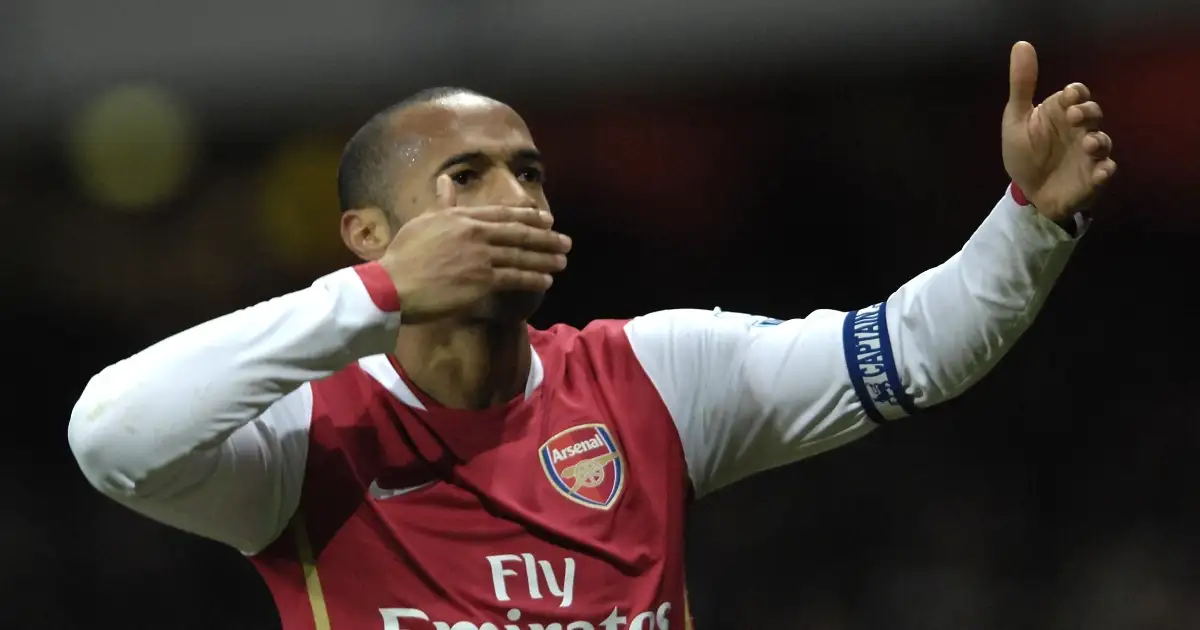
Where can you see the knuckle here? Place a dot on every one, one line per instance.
(541, 237)
(527, 235)
(479, 257)
(511, 216)
(548, 262)
(516, 257)
(474, 229)
(452, 214)
(519, 216)
(532, 278)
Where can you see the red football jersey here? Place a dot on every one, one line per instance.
(563, 509)
(286, 431)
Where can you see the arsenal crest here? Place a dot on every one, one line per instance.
(585, 464)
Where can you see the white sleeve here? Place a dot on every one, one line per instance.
(752, 393)
(207, 430)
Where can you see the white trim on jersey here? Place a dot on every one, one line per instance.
(752, 393)
(380, 368)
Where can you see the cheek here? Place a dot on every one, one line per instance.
(410, 207)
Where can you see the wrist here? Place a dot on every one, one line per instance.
(380, 286)
(1018, 195)
(1050, 210)
(1073, 223)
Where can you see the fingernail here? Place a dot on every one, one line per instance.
(565, 240)
(545, 216)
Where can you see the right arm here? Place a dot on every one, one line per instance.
(207, 431)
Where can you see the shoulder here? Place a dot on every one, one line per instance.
(342, 396)
(602, 345)
(647, 341)
(349, 407)
(689, 322)
(567, 336)
(354, 414)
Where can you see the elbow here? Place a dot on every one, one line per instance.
(939, 381)
(941, 351)
(92, 434)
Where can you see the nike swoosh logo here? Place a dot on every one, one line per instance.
(382, 494)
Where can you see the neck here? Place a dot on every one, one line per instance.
(466, 366)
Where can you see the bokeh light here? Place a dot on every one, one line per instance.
(132, 147)
(299, 208)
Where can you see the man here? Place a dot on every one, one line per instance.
(395, 448)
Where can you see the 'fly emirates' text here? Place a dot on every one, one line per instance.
(512, 566)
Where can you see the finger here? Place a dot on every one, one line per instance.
(447, 196)
(508, 279)
(1055, 110)
(1103, 172)
(1086, 114)
(1097, 144)
(1076, 93)
(527, 259)
(525, 237)
(532, 217)
(1022, 80)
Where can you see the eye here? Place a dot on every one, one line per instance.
(531, 174)
(464, 177)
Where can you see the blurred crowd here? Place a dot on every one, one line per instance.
(1057, 494)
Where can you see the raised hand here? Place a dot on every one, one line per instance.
(446, 260)
(1055, 151)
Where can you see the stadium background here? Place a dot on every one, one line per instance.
(163, 163)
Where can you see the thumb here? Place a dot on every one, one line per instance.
(1022, 81)
(447, 196)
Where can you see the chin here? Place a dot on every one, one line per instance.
(510, 306)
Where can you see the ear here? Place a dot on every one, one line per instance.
(366, 232)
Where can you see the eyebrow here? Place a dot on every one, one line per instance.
(521, 155)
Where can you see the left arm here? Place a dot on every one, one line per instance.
(748, 394)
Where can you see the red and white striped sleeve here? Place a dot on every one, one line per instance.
(752, 393)
(207, 430)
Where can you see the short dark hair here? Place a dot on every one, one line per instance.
(361, 178)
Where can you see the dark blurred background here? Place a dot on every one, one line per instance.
(163, 162)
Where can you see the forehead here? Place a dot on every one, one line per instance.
(462, 123)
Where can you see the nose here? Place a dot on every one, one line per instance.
(509, 191)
